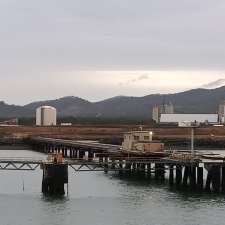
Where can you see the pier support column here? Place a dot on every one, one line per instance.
(75, 153)
(120, 167)
(65, 152)
(106, 166)
(171, 175)
(134, 167)
(81, 154)
(128, 168)
(186, 176)
(216, 178)
(208, 180)
(213, 181)
(54, 178)
(200, 178)
(223, 179)
(90, 155)
(159, 171)
(149, 170)
(193, 177)
(138, 166)
(100, 159)
(178, 175)
(113, 166)
(142, 169)
(70, 153)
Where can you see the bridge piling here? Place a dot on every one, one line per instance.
(216, 178)
(223, 180)
(54, 177)
(106, 166)
(159, 171)
(186, 176)
(149, 170)
(200, 182)
(178, 175)
(171, 175)
(193, 178)
(90, 155)
(120, 167)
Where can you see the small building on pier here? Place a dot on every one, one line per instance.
(141, 141)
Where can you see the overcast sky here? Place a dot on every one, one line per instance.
(98, 49)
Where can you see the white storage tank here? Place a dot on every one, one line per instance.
(46, 116)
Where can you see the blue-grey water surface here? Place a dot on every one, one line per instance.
(98, 199)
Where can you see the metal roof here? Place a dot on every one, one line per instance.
(176, 118)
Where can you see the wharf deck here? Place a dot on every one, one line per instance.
(80, 144)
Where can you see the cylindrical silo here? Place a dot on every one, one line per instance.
(46, 116)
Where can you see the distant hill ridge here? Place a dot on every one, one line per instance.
(192, 101)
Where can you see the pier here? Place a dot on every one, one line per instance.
(196, 172)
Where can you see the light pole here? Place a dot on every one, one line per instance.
(150, 135)
(192, 140)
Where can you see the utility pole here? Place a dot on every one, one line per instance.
(192, 140)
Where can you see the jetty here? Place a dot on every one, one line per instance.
(196, 172)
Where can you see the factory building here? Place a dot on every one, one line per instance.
(181, 119)
(46, 116)
(161, 109)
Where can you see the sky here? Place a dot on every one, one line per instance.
(100, 49)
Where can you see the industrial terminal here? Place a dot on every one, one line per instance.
(177, 153)
(124, 148)
(161, 114)
(165, 114)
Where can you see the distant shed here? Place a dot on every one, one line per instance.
(193, 118)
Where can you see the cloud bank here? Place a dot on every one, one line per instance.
(44, 41)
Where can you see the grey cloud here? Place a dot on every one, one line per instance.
(48, 36)
(113, 34)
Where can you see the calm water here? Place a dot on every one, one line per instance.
(98, 199)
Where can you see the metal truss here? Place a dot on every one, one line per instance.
(30, 164)
(18, 166)
(88, 166)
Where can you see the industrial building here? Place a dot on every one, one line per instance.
(161, 109)
(180, 119)
(164, 114)
(221, 112)
(46, 116)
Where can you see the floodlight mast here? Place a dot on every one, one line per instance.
(150, 135)
(192, 126)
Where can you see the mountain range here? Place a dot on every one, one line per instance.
(192, 101)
